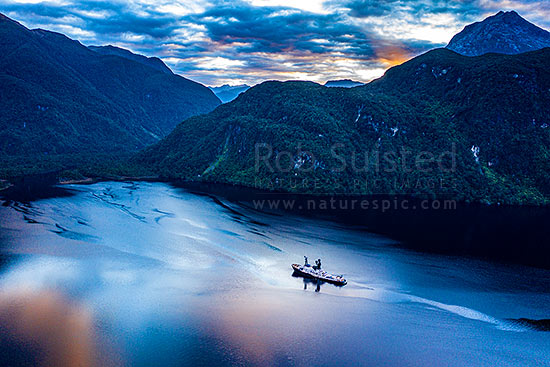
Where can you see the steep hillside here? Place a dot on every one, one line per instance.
(153, 62)
(478, 126)
(58, 97)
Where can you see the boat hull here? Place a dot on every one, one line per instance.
(309, 272)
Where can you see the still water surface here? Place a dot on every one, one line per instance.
(145, 274)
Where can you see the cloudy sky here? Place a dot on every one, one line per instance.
(248, 41)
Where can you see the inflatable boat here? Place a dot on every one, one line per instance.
(311, 272)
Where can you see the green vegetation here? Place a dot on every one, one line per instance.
(476, 129)
(69, 167)
(59, 97)
(490, 113)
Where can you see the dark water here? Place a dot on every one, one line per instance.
(509, 234)
(146, 274)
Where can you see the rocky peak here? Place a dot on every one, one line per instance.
(504, 32)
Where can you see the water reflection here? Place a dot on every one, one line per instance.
(46, 329)
(309, 281)
(313, 282)
(4, 261)
(144, 274)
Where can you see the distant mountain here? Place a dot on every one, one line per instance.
(344, 83)
(59, 97)
(227, 93)
(492, 111)
(153, 62)
(505, 33)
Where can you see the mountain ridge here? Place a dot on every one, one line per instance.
(491, 109)
(227, 93)
(343, 83)
(504, 32)
(153, 62)
(60, 97)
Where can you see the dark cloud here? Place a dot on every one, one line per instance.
(377, 8)
(236, 32)
(461, 9)
(156, 27)
(120, 18)
(370, 8)
(272, 30)
(233, 39)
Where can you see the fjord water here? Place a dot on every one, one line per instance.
(146, 274)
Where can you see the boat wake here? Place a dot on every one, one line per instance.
(388, 296)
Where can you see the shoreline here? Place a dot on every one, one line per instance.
(45, 179)
(508, 234)
(93, 180)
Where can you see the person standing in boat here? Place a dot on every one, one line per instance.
(317, 264)
(305, 261)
